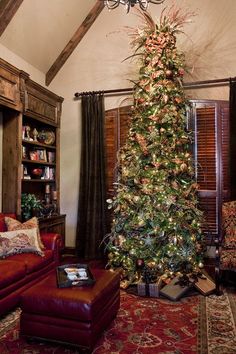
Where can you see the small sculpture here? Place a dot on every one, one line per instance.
(35, 134)
(27, 129)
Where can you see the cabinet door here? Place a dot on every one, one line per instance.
(11, 162)
(54, 224)
(42, 104)
(9, 86)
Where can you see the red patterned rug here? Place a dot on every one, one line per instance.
(195, 324)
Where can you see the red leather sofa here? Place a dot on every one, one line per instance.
(19, 272)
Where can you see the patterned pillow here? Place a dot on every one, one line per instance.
(20, 241)
(13, 224)
(229, 224)
(228, 259)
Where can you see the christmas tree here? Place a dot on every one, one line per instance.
(156, 220)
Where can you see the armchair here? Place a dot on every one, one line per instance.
(226, 249)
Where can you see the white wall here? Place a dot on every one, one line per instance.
(21, 64)
(97, 64)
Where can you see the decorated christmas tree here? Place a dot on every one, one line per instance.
(156, 220)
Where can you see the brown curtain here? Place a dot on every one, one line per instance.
(92, 208)
(232, 110)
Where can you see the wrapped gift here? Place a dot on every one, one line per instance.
(149, 289)
(204, 284)
(176, 288)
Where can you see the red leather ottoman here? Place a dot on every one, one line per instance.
(75, 315)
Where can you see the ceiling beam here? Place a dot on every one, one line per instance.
(8, 9)
(74, 41)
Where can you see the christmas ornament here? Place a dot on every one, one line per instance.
(200, 265)
(140, 263)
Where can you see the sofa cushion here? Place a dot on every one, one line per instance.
(33, 262)
(13, 224)
(3, 226)
(10, 272)
(21, 241)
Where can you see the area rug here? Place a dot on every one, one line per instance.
(193, 325)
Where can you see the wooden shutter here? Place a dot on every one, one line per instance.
(116, 129)
(210, 122)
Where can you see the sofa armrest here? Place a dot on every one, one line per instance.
(52, 241)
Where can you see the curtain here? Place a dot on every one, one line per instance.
(232, 110)
(92, 208)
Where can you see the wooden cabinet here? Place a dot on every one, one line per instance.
(31, 145)
(10, 85)
(40, 156)
(42, 104)
(55, 223)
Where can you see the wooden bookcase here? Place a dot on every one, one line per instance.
(31, 144)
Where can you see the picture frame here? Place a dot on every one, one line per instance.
(33, 155)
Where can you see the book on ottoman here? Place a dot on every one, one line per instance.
(173, 290)
(204, 284)
(149, 289)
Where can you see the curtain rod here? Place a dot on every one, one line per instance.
(197, 84)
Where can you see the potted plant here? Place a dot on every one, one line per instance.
(29, 205)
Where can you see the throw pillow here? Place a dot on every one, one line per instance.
(13, 224)
(20, 241)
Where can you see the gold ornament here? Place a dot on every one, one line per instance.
(200, 265)
(132, 252)
(183, 167)
(110, 256)
(121, 239)
(151, 264)
(124, 284)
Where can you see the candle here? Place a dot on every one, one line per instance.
(54, 195)
(47, 188)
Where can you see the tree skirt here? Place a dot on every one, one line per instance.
(195, 324)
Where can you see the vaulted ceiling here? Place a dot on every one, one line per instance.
(45, 33)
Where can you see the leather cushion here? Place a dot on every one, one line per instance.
(33, 262)
(79, 303)
(10, 272)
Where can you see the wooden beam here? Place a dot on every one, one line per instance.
(8, 9)
(72, 44)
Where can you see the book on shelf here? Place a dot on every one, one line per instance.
(51, 156)
(23, 132)
(24, 152)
